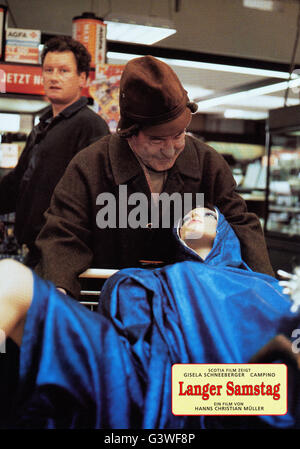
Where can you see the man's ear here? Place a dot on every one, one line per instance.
(82, 79)
(132, 139)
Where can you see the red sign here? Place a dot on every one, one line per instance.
(22, 79)
(26, 79)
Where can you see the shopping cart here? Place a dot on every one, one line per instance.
(91, 281)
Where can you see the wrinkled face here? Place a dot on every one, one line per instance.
(62, 83)
(158, 152)
(200, 223)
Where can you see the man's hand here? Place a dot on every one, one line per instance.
(279, 348)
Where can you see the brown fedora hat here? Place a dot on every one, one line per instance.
(152, 97)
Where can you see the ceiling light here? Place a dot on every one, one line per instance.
(277, 87)
(229, 68)
(138, 29)
(113, 55)
(246, 115)
(264, 102)
(209, 66)
(10, 122)
(195, 91)
(264, 5)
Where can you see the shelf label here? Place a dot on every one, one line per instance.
(9, 155)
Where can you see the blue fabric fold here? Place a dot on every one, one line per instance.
(112, 369)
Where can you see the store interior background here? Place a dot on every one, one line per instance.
(222, 32)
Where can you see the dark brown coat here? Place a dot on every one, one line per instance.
(71, 241)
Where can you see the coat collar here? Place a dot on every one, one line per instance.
(125, 165)
(67, 112)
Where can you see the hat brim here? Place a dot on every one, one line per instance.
(170, 128)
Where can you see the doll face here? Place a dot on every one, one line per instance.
(200, 223)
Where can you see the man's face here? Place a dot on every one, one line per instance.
(62, 83)
(158, 152)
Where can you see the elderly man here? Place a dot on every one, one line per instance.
(149, 156)
(66, 127)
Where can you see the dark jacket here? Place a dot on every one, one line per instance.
(50, 146)
(71, 241)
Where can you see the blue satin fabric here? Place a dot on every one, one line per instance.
(112, 369)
